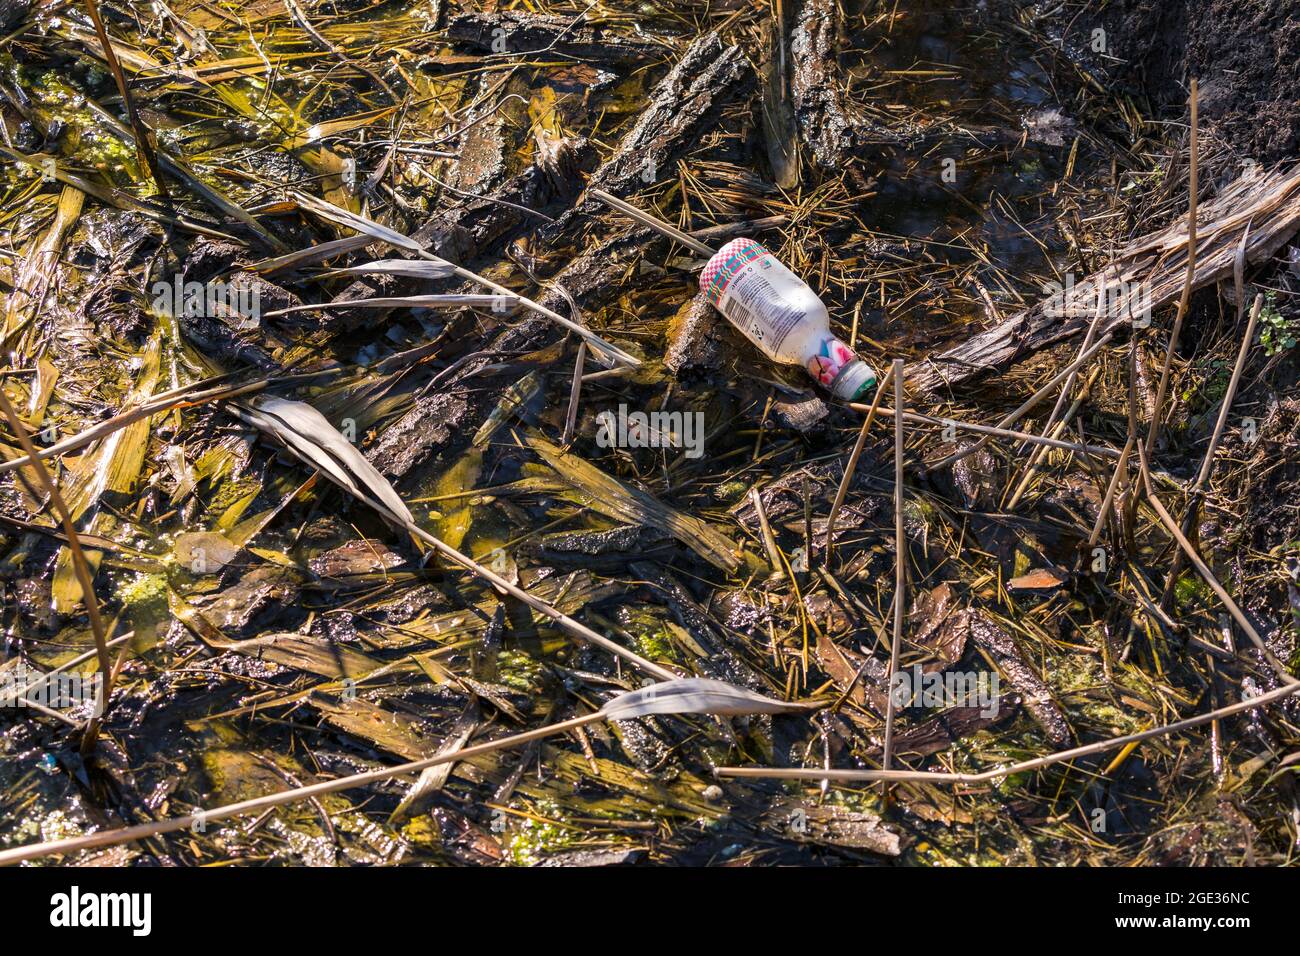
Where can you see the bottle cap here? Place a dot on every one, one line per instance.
(838, 369)
(854, 381)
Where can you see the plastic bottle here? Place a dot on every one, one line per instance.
(777, 311)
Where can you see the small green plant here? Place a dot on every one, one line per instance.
(1213, 385)
(1276, 332)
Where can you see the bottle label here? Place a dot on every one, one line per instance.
(831, 359)
(746, 283)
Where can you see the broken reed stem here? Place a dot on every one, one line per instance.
(1206, 574)
(256, 804)
(1056, 428)
(1128, 517)
(1157, 411)
(1026, 405)
(80, 566)
(900, 565)
(561, 619)
(51, 712)
(11, 697)
(852, 466)
(612, 352)
(1050, 429)
(988, 776)
(329, 211)
(184, 395)
(1111, 488)
(1121, 467)
(994, 432)
(658, 225)
(1064, 396)
(300, 16)
(1207, 463)
(575, 394)
(765, 531)
(144, 150)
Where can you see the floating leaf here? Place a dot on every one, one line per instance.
(1040, 579)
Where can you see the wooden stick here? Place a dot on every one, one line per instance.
(658, 225)
(765, 532)
(1111, 488)
(1121, 467)
(920, 776)
(1153, 434)
(693, 701)
(852, 465)
(900, 564)
(80, 566)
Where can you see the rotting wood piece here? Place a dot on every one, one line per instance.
(830, 127)
(516, 33)
(1146, 275)
(816, 86)
(681, 107)
(1038, 698)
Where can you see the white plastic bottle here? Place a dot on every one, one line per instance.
(777, 311)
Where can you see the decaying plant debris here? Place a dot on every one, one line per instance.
(358, 242)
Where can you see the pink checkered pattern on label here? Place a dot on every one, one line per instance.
(726, 262)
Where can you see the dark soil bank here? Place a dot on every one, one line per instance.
(1245, 53)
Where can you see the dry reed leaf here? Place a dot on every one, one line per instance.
(308, 431)
(695, 695)
(412, 268)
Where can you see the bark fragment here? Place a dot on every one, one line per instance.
(680, 109)
(1038, 697)
(1146, 275)
(516, 33)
